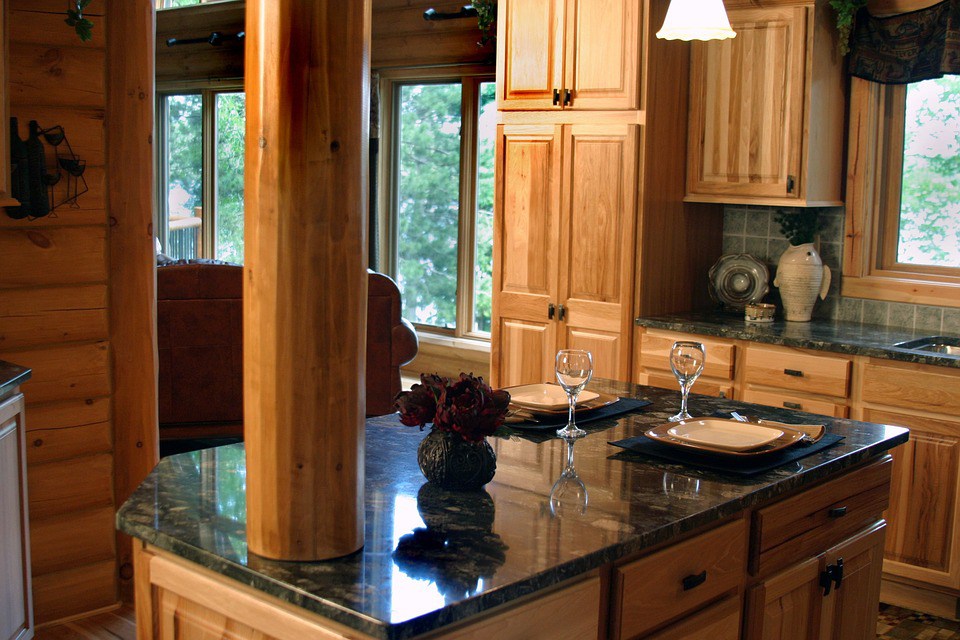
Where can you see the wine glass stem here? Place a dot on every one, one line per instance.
(569, 455)
(684, 390)
(572, 397)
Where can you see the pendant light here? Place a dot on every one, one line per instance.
(696, 20)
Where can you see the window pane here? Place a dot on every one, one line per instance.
(231, 118)
(428, 202)
(483, 250)
(184, 178)
(929, 208)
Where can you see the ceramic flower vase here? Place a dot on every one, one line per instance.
(801, 277)
(451, 462)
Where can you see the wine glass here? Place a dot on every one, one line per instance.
(574, 370)
(686, 360)
(569, 494)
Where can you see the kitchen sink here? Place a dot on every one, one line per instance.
(933, 344)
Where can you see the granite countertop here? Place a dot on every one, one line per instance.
(11, 375)
(825, 335)
(434, 557)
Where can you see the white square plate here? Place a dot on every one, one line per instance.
(724, 434)
(546, 396)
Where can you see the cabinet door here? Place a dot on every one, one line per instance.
(850, 610)
(787, 605)
(746, 107)
(923, 516)
(602, 58)
(16, 616)
(717, 622)
(529, 53)
(597, 241)
(525, 259)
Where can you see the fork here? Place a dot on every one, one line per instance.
(805, 439)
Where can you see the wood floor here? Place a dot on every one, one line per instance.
(113, 625)
(893, 623)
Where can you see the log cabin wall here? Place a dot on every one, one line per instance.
(91, 404)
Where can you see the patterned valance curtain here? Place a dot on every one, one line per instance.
(908, 47)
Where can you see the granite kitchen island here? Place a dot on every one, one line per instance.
(660, 548)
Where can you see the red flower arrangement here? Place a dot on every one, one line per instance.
(467, 407)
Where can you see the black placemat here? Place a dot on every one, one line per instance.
(544, 422)
(736, 465)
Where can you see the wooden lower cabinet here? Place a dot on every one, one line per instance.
(794, 604)
(762, 575)
(923, 539)
(16, 604)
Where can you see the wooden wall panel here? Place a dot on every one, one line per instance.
(50, 315)
(70, 413)
(401, 37)
(76, 538)
(43, 75)
(56, 309)
(32, 257)
(51, 445)
(66, 593)
(81, 483)
(76, 371)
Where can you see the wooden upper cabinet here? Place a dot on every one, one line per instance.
(767, 110)
(564, 227)
(568, 54)
(597, 243)
(525, 253)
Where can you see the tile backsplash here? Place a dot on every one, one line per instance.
(752, 229)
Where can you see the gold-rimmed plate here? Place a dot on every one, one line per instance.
(599, 400)
(662, 434)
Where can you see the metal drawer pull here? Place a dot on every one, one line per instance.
(551, 310)
(792, 405)
(691, 582)
(832, 576)
(567, 98)
(561, 312)
(837, 512)
(556, 97)
(796, 373)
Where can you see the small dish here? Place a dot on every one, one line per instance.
(724, 434)
(759, 312)
(546, 396)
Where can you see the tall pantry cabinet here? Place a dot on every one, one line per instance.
(589, 227)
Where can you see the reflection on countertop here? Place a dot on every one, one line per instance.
(433, 557)
(823, 335)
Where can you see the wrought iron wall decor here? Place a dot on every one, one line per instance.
(39, 185)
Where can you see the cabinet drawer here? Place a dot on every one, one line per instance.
(913, 387)
(806, 524)
(790, 369)
(797, 403)
(720, 621)
(655, 353)
(703, 386)
(677, 580)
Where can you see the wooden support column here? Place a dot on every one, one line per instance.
(133, 279)
(305, 283)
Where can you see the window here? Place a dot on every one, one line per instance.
(440, 186)
(201, 134)
(903, 216)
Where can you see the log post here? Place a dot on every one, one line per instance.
(305, 283)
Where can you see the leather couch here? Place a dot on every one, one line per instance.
(200, 340)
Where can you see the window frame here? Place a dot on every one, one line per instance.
(874, 173)
(470, 77)
(208, 91)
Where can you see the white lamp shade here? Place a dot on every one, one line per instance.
(696, 20)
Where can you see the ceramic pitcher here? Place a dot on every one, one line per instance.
(801, 277)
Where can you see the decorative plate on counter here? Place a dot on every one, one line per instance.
(738, 280)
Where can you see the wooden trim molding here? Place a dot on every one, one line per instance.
(873, 185)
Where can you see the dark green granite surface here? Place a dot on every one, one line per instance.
(11, 375)
(824, 335)
(434, 557)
